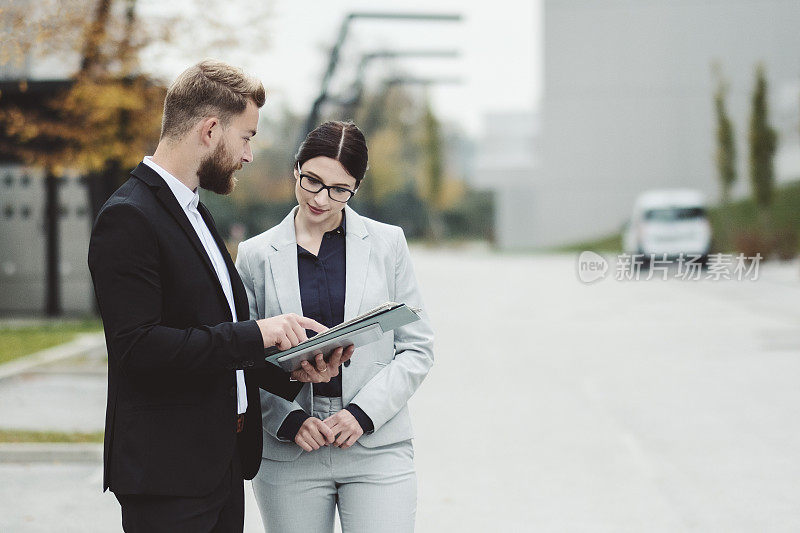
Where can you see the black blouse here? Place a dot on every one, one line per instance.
(322, 293)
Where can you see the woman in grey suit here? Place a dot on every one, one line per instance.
(346, 442)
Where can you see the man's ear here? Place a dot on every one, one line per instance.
(209, 128)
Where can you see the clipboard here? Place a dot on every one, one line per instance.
(360, 331)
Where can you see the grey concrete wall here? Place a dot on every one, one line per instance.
(628, 102)
(22, 242)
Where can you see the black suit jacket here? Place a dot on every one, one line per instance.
(172, 348)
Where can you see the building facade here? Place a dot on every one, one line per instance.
(507, 163)
(628, 106)
(23, 242)
(23, 238)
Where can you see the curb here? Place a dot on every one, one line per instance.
(83, 343)
(51, 453)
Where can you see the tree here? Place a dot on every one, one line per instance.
(433, 170)
(726, 144)
(95, 123)
(388, 117)
(108, 115)
(763, 143)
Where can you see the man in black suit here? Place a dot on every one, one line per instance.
(183, 419)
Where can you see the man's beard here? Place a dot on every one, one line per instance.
(216, 171)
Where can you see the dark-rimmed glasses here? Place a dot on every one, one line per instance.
(335, 192)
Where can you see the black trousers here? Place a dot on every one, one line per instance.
(221, 511)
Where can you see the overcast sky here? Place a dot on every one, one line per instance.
(499, 42)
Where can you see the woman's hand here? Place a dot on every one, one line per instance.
(346, 426)
(313, 434)
(322, 371)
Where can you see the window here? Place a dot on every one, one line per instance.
(675, 213)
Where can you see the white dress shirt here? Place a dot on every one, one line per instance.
(188, 200)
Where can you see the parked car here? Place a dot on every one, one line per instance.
(669, 221)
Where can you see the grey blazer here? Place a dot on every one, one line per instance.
(381, 376)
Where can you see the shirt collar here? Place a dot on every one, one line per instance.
(337, 229)
(342, 225)
(187, 198)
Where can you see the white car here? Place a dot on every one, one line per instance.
(671, 222)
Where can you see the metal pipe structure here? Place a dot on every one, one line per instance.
(404, 80)
(333, 59)
(370, 126)
(349, 105)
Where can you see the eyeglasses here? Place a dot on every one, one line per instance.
(335, 193)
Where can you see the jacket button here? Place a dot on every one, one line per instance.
(347, 363)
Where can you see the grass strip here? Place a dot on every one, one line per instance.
(23, 435)
(17, 342)
(726, 221)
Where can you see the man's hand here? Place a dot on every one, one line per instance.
(286, 331)
(321, 371)
(313, 434)
(346, 427)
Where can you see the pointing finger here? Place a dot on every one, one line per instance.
(311, 324)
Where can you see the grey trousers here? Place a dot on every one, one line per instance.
(374, 488)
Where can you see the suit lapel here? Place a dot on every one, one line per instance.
(357, 248)
(170, 203)
(283, 267)
(239, 294)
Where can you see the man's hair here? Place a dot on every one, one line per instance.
(209, 88)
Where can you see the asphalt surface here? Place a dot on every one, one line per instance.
(554, 405)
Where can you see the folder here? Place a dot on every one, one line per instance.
(360, 331)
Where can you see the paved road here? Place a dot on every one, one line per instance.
(557, 406)
(620, 406)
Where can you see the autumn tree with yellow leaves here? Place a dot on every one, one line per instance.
(107, 114)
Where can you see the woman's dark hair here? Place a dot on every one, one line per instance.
(342, 141)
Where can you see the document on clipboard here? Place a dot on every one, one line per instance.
(360, 331)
